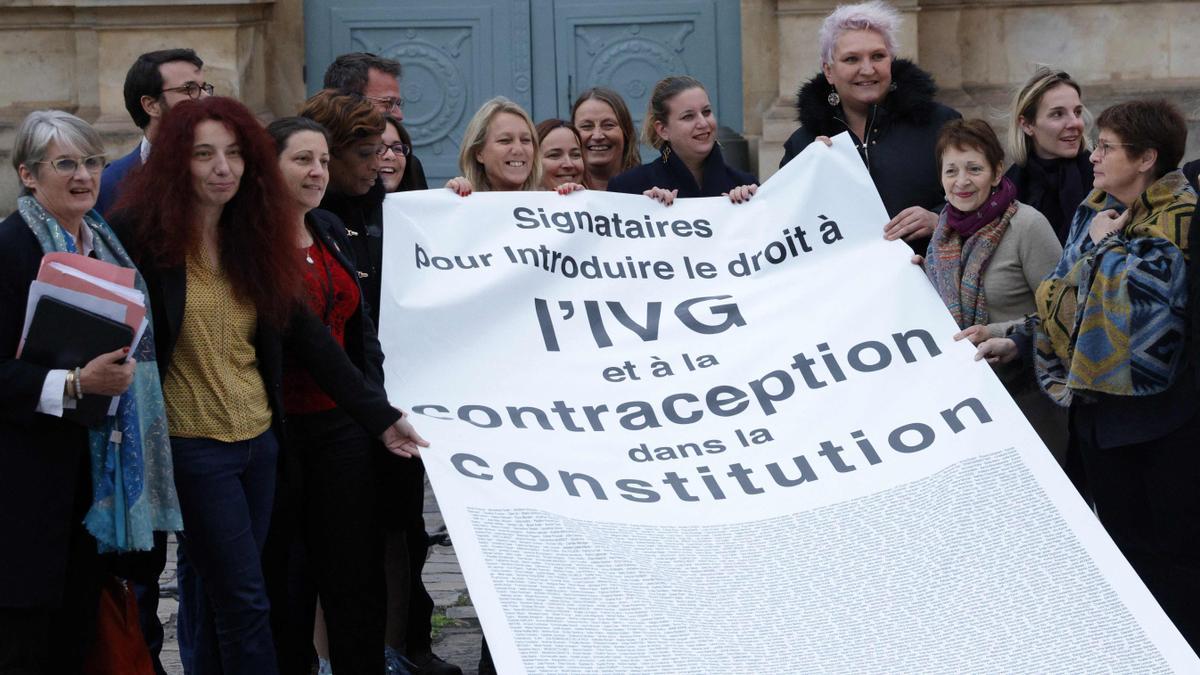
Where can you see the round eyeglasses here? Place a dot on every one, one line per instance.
(192, 89)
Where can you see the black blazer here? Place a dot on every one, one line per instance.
(362, 221)
(44, 479)
(672, 174)
(305, 337)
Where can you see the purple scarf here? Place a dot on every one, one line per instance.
(967, 224)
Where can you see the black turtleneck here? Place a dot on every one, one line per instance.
(1055, 187)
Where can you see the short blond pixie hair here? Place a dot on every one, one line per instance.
(476, 136)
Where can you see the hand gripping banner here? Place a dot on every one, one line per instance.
(736, 438)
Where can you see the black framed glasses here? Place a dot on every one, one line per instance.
(399, 149)
(67, 166)
(389, 103)
(192, 89)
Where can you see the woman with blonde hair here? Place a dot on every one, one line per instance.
(1051, 153)
(500, 152)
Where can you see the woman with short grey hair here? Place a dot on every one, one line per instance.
(887, 104)
(62, 499)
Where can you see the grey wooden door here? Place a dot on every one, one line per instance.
(540, 53)
(455, 56)
(629, 46)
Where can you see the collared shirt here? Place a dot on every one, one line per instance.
(144, 149)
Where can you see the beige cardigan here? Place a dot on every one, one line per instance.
(1027, 253)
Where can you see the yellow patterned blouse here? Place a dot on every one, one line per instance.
(213, 388)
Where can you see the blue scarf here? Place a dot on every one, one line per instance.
(133, 482)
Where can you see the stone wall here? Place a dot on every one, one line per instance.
(980, 51)
(73, 55)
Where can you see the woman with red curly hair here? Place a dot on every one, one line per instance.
(208, 221)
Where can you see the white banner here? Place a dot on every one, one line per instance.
(736, 438)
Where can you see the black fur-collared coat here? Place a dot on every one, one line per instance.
(901, 135)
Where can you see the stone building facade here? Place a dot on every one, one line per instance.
(73, 54)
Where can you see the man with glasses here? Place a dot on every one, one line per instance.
(376, 79)
(155, 82)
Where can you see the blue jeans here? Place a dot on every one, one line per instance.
(226, 491)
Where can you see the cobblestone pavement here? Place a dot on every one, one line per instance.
(455, 624)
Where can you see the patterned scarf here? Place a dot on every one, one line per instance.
(967, 223)
(133, 483)
(955, 264)
(1113, 314)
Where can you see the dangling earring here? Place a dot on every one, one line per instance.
(833, 98)
(666, 152)
(893, 86)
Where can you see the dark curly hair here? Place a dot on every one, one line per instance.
(345, 115)
(159, 202)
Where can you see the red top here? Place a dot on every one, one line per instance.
(334, 298)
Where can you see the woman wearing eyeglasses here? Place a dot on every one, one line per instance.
(355, 193)
(402, 482)
(1111, 344)
(58, 494)
(394, 165)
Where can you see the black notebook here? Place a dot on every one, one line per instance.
(64, 336)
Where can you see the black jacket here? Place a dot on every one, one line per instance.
(362, 216)
(901, 135)
(1191, 171)
(304, 337)
(361, 340)
(414, 176)
(670, 173)
(45, 486)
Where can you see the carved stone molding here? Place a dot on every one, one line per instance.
(821, 8)
(73, 55)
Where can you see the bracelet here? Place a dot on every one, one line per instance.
(78, 383)
(70, 386)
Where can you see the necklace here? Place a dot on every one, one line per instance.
(308, 256)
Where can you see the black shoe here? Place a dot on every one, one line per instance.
(432, 664)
